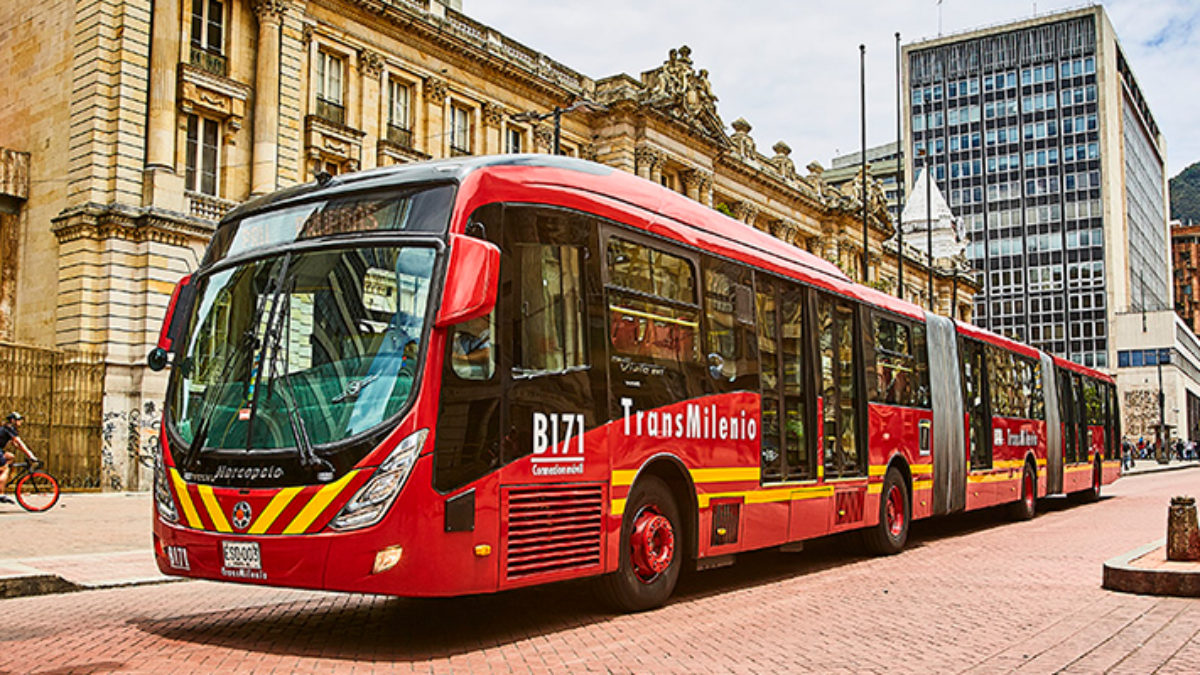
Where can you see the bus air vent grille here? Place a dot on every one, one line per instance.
(552, 529)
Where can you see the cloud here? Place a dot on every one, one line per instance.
(791, 67)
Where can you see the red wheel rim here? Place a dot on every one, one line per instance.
(895, 511)
(652, 544)
(1029, 489)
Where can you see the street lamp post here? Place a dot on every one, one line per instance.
(1162, 453)
(557, 113)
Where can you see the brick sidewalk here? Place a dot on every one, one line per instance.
(972, 592)
(85, 541)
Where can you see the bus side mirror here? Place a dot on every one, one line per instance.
(174, 323)
(472, 275)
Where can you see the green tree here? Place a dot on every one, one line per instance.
(1185, 195)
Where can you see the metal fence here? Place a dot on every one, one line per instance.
(59, 392)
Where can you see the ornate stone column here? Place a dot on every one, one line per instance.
(161, 187)
(691, 184)
(266, 96)
(436, 138)
(493, 116)
(745, 212)
(645, 159)
(164, 55)
(371, 66)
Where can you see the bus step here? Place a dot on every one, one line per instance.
(715, 562)
(794, 547)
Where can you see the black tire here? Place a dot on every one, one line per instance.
(645, 579)
(1026, 507)
(888, 536)
(37, 491)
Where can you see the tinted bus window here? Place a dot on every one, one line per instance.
(652, 304)
(901, 374)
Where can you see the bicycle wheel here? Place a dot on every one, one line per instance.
(37, 491)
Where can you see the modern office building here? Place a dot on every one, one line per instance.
(1042, 141)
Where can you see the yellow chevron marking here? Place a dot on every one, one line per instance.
(618, 507)
(213, 508)
(731, 475)
(278, 503)
(185, 500)
(317, 504)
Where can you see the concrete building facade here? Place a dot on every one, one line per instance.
(139, 123)
(1040, 137)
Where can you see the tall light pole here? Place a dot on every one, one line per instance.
(862, 100)
(557, 113)
(899, 185)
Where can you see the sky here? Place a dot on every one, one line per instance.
(791, 67)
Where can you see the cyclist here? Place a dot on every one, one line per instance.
(9, 432)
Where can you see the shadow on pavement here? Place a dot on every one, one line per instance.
(411, 630)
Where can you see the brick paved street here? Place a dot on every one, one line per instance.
(972, 593)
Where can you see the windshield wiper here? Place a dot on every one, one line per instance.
(248, 345)
(274, 337)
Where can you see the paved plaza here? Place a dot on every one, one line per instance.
(972, 593)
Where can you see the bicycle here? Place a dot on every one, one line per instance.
(36, 490)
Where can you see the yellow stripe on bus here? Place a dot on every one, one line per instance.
(921, 468)
(991, 478)
(922, 485)
(213, 508)
(618, 507)
(623, 477)
(278, 503)
(732, 475)
(877, 470)
(317, 504)
(185, 500)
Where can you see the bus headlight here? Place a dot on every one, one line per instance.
(372, 500)
(163, 500)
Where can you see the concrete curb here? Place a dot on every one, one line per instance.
(1160, 469)
(1121, 575)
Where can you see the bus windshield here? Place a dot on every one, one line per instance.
(301, 349)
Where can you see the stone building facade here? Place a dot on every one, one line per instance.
(139, 123)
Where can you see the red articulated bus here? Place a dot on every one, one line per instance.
(474, 375)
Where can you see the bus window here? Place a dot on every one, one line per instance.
(768, 354)
(785, 449)
(901, 373)
(974, 393)
(729, 341)
(1094, 406)
(471, 354)
(659, 319)
(839, 388)
(1038, 401)
(791, 333)
(549, 326)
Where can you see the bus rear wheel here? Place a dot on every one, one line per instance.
(890, 534)
(1093, 493)
(1026, 507)
(652, 550)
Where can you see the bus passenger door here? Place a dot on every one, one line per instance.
(841, 396)
(977, 402)
(555, 466)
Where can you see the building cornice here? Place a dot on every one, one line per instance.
(101, 222)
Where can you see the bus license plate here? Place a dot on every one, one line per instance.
(242, 555)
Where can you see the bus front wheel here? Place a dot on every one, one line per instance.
(652, 549)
